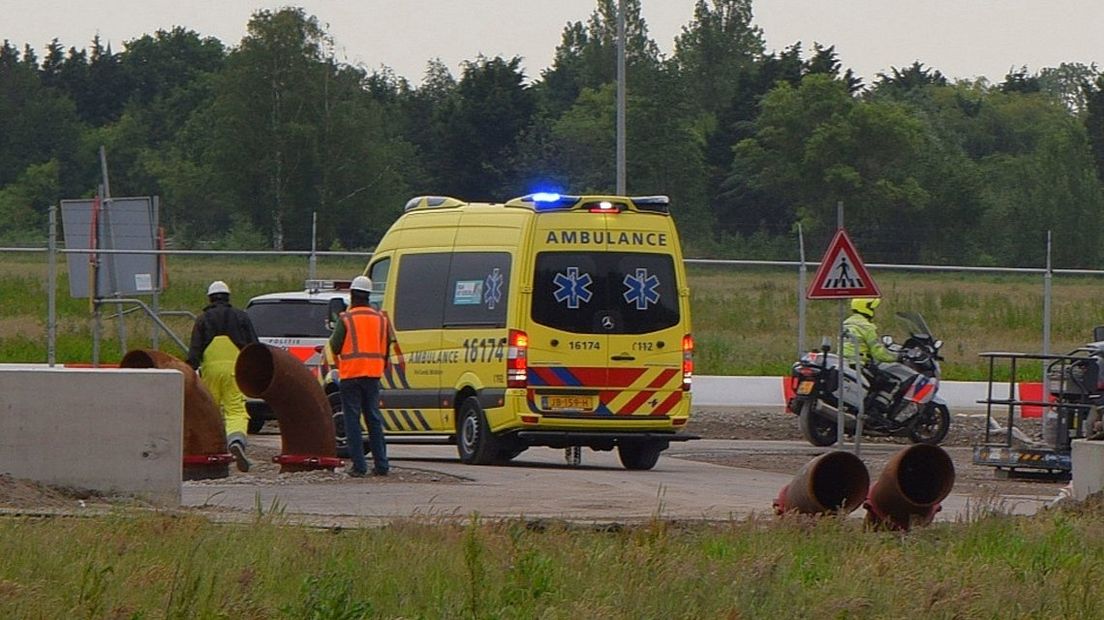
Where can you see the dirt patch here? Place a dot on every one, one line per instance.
(19, 494)
(768, 424)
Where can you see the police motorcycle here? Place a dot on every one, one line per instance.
(899, 399)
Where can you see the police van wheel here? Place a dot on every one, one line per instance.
(474, 441)
(639, 455)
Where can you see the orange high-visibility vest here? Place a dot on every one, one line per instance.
(365, 348)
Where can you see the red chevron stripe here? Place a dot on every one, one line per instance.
(623, 377)
(546, 375)
(668, 404)
(662, 379)
(589, 376)
(634, 404)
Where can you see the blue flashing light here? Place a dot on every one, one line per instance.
(546, 197)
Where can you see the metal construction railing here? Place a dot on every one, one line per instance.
(800, 267)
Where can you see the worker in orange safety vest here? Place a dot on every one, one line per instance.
(362, 340)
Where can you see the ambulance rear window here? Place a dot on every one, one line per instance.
(289, 319)
(605, 292)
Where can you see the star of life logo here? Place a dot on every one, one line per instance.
(492, 287)
(572, 287)
(640, 289)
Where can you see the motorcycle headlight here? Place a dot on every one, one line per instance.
(938, 344)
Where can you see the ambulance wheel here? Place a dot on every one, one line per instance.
(474, 441)
(639, 455)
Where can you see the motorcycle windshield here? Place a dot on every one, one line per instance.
(917, 328)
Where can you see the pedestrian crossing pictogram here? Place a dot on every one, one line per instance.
(842, 273)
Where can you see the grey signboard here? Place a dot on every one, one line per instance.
(122, 224)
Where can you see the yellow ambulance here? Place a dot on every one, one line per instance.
(550, 320)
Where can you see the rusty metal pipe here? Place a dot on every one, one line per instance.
(204, 428)
(293, 393)
(911, 487)
(832, 483)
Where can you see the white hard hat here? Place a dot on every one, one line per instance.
(362, 284)
(218, 286)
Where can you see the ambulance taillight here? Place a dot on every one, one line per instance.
(687, 361)
(517, 359)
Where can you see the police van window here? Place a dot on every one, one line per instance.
(378, 274)
(420, 291)
(477, 290)
(289, 319)
(605, 292)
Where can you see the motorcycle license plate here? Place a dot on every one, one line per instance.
(567, 403)
(805, 387)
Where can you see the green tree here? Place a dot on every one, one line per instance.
(815, 146)
(37, 124)
(716, 50)
(481, 128)
(1094, 123)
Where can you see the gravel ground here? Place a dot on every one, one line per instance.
(760, 424)
(777, 424)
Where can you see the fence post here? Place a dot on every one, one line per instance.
(156, 297)
(801, 271)
(312, 263)
(51, 293)
(1048, 275)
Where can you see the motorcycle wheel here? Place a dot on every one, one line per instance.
(932, 426)
(818, 430)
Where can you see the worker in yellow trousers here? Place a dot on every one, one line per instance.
(218, 335)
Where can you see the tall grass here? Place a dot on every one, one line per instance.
(161, 566)
(745, 320)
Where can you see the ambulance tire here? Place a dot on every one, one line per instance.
(474, 441)
(639, 455)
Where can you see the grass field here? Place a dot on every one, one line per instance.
(744, 319)
(162, 566)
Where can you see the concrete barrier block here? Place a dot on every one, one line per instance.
(115, 431)
(1088, 467)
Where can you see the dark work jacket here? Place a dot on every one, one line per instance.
(219, 319)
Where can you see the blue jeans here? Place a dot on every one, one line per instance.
(361, 394)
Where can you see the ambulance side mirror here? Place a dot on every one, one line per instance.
(334, 310)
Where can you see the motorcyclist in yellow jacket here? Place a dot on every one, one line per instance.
(860, 326)
(217, 337)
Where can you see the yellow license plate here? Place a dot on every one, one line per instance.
(567, 403)
(805, 387)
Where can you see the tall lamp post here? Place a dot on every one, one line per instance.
(620, 97)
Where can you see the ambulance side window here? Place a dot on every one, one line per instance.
(478, 290)
(421, 290)
(378, 274)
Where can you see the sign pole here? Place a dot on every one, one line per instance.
(843, 276)
(841, 364)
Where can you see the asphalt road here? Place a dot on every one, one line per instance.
(539, 484)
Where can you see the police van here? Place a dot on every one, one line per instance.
(550, 320)
(299, 322)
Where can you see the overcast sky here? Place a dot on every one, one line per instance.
(961, 38)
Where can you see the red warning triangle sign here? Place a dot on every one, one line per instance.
(842, 273)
